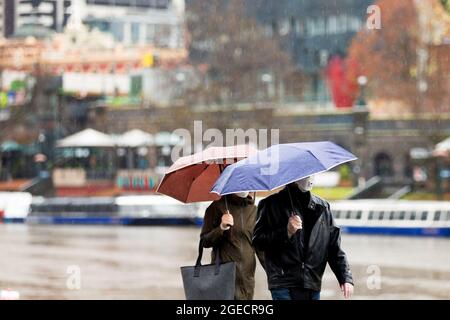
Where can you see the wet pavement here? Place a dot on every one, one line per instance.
(108, 262)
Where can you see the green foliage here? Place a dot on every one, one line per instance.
(446, 4)
(345, 172)
(18, 85)
(337, 193)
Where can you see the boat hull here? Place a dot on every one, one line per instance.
(398, 231)
(126, 221)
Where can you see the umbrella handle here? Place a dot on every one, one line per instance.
(293, 212)
(221, 168)
(226, 207)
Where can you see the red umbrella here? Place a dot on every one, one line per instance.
(191, 178)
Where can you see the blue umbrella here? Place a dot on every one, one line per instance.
(280, 165)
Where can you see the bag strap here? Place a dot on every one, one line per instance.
(198, 263)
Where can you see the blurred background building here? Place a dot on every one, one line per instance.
(310, 68)
(314, 33)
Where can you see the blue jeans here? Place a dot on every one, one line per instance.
(295, 294)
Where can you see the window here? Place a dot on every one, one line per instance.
(268, 30)
(292, 22)
(284, 27)
(371, 215)
(437, 216)
(342, 24)
(448, 216)
(332, 27)
(412, 216)
(310, 27)
(424, 216)
(150, 33)
(336, 214)
(135, 32)
(398, 215)
(378, 215)
(117, 29)
(354, 24)
(162, 34)
(320, 25)
(355, 214)
(274, 27)
(299, 28)
(391, 215)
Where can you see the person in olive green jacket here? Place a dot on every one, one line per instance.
(231, 232)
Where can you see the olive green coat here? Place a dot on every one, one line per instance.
(234, 244)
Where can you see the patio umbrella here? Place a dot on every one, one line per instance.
(191, 178)
(87, 138)
(442, 149)
(9, 146)
(135, 138)
(280, 165)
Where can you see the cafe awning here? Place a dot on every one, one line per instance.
(135, 138)
(442, 149)
(167, 139)
(87, 138)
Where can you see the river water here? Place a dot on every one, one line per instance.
(108, 262)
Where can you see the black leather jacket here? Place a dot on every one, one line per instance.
(288, 263)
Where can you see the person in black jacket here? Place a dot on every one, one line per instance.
(298, 235)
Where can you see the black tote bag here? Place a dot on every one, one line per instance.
(209, 282)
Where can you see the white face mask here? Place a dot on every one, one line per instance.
(242, 194)
(305, 184)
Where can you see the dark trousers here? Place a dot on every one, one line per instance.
(295, 294)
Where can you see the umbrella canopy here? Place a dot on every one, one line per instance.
(9, 146)
(280, 165)
(191, 178)
(135, 138)
(87, 138)
(442, 149)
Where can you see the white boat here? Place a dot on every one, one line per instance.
(14, 206)
(393, 217)
(158, 210)
(371, 216)
(123, 210)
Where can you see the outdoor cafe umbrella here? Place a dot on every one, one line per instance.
(86, 138)
(280, 165)
(191, 178)
(10, 146)
(442, 149)
(135, 138)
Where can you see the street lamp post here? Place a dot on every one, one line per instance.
(362, 82)
(360, 118)
(267, 79)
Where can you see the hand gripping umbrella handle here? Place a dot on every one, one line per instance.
(226, 209)
(221, 168)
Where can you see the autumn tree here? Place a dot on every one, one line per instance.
(387, 56)
(398, 62)
(238, 60)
